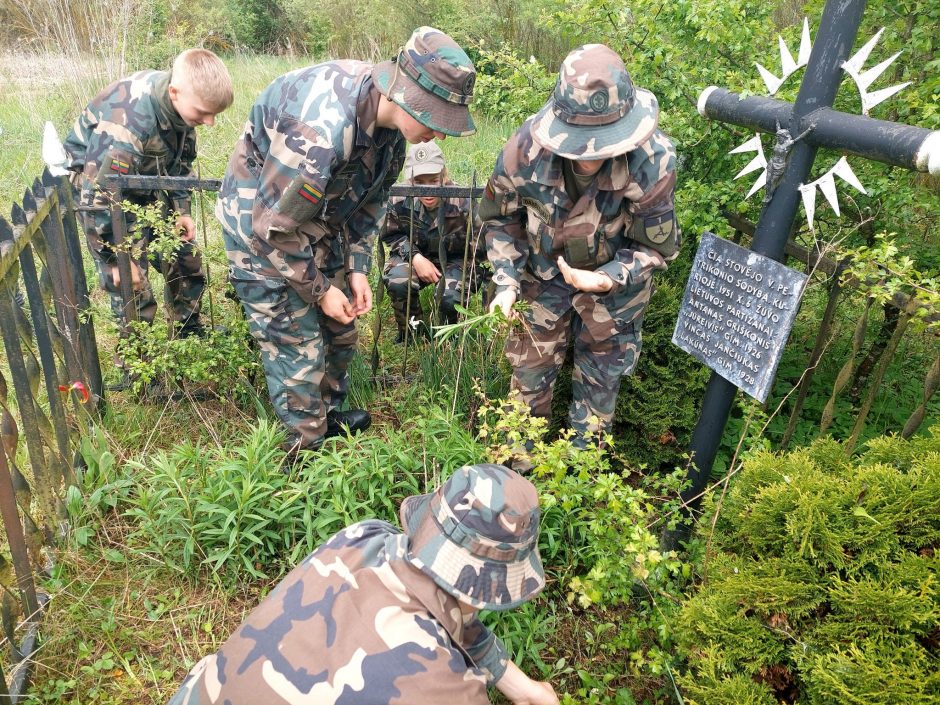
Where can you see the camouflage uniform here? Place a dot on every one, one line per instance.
(623, 225)
(300, 205)
(372, 617)
(131, 127)
(426, 240)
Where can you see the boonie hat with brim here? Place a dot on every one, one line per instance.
(422, 159)
(477, 537)
(432, 79)
(595, 111)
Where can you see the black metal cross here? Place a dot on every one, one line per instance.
(809, 123)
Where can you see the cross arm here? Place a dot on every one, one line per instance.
(906, 146)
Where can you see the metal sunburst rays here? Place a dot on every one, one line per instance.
(863, 80)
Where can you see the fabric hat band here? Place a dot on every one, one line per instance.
(471, 541)
(422, 79)
(581, 118)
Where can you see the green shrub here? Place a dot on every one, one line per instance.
(824, 588)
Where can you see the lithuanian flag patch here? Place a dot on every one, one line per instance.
(121, 167)
(311, 193)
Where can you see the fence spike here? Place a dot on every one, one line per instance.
(17, 215)
(6, 230)
(29, 202)
(48, 180)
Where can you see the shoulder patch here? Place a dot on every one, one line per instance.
(310, 192)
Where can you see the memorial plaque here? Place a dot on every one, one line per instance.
(737, 312)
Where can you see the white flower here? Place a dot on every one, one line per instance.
(414, 323)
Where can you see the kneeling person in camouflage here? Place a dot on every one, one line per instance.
(427, 237)
(379, 617)
(145, 124)
(579, 214)
(301, 203)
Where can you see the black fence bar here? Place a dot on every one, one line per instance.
(181, 183)
(46, 354)
(26, 405)
(87, 342)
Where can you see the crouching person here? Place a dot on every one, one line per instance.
(429, 236)
(375, 616)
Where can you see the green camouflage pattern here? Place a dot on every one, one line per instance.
(131, 127)
(300, 206)
(531, 220)
(432, 79)
(595, 111)
(477, 537)
(354, 624)
(428, 241)
(305, 353)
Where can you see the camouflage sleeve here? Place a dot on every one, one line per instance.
(182, 200)
(107, 148)
(290, 193)
(486, 649)
(363, 227)
(507, 244)
(653, 239)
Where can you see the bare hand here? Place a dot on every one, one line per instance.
(504, 301)
(335, 305)
(522, 690)
(135, 275)
(425, 269)
(584, 279)
(187, 228)
(361, 293)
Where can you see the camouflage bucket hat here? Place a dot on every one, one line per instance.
(477, 537)
(432, 80)
(595, 112)
(422, 159)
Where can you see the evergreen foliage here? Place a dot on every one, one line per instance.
(823, 588)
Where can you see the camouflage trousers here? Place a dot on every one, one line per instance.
(183, 275)
(396, 283)
(305, 353)
(606, 334)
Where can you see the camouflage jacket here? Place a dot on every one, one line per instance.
(308, 182)
(354, 624)
(131, 127)
(531, 220)
(427, 230)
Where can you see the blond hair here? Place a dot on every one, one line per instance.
(206, 75)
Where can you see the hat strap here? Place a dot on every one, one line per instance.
(422, 79)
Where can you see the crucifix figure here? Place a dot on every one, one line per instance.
(778, 162)
(812, 118)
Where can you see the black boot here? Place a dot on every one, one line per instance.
(353, 419)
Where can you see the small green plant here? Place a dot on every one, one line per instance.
(222, 358)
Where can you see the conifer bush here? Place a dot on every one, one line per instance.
(823, 587)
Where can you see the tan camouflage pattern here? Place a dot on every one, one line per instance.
(354, 624)
(300, 206)
(432, 79)
(131, 127)
(428, 241)
(477, 536)
(595, 111)
(531, 220)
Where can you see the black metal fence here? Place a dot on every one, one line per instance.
(52, 357)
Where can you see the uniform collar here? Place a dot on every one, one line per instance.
(367, 111)
(613, 176)
(166, 113)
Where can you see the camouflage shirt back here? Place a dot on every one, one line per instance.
(308, 182)
(354, 624)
